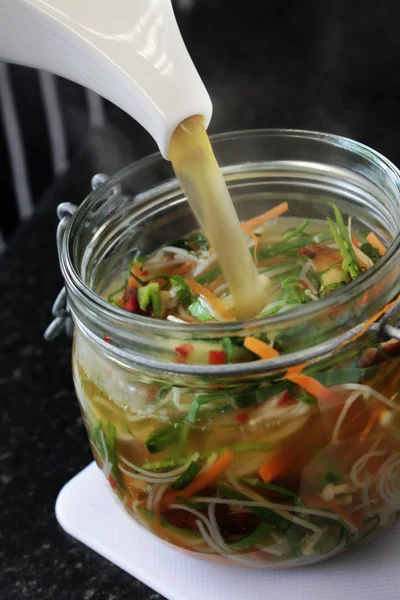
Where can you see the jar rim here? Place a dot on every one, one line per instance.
(162, 327)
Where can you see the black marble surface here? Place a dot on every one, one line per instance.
(329, 66)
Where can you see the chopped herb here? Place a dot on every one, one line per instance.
(370, 251)
(182, 289)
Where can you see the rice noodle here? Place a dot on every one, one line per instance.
(163, 264)
(138, 515)
(272, 305)
(207, 538)
(175, 319)
(350, 400)
(203, 265)
(142, 478)
(361, 257)
(159, 493)
(149, 501)
(152, 477)
(303, 275)
(389, 481)
(360, 464)
(214, 529)
(221, 288)
(192, 511)
(180, 252)
(367, 391)
(209, 463)
(280, 509)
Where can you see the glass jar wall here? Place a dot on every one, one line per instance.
(253, 463)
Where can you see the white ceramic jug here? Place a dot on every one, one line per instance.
(128, 51)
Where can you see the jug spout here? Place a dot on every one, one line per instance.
(129, 51)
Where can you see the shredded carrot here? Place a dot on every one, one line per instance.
(296, 370)
(372, 320)
(201, 481)
(215, 302)
(376, 243)
(269, 215)
(217, 282)
(355, 241)
(255, 240)
(275, 466)
(263, 350)
(183, 269)
(371, 422)
(313, 387)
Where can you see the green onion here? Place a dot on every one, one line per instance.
(341, 376)
(228, 348)
(254, 538)
(210, 276)
(281, 247)
(195, 406)
(254, 482)
(306, 399)
(182, 289)
(186, 477)
(266, 515)
(159, 440)
(111, 296)
(164, 389)
(181, 460)
(111, 441)
(331, 288)
(341, 237)
(150, 293)
(155, 297)
(198, 311)
(291, 233)
(195, 505)
(167, 525)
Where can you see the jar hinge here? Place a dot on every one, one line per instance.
(62, 316)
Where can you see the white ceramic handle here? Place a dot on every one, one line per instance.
(128, 51)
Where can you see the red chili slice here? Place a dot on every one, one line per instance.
(107, 339)
(242, 418)
(184, 350)
(217, 357)
(131, 304)
(286, 400)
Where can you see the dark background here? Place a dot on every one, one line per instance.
(324, 65)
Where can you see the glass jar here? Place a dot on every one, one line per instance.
(183, 443)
